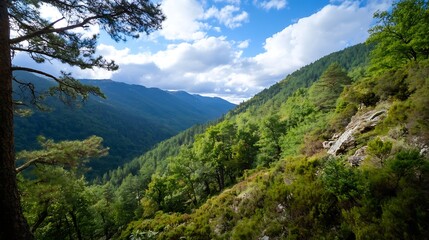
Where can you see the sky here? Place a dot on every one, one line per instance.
(231, 49)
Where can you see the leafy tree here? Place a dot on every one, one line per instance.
(271, 131)
(341, 181)
(401, 34)
(57, 204)
(128, 197)
(24, 30)
(186, 171)
(379, 149)
(325, 91)
(103, 208)
(245, 149)
(214, 148)
(164, 193)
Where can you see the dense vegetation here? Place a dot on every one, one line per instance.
(131, 119)
(262, 171)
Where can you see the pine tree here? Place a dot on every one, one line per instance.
(44, 40)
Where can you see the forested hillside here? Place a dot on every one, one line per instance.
(337, 150)
(131, 120)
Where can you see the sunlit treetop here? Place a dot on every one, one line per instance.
(401, 34)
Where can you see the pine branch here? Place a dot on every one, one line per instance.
(35, 71)
(28, 164)
(48, 29)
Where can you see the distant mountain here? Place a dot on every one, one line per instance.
(132, 119)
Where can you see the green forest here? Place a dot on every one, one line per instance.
(339, 149)
(131, 119)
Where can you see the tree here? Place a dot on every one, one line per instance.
(324, 92)
(272, 129)
(401, 34)
(70, 154)
(214, 148)
(44, 40)
(56, 191)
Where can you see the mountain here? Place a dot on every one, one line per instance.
(331, 151)
(131, 120)
(268, 101)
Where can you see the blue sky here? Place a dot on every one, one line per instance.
(229, 48)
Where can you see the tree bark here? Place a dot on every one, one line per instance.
(13, 223)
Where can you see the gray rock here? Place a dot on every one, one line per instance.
(358, 124)
(358, 156)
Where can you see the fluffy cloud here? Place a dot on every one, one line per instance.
(244, 44)
(333, 28)
(186, 19)
(182, 20)
(207, 66)
(227, 15)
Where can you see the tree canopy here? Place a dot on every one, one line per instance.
(401, 34)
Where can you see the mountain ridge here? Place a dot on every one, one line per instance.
(132, 119)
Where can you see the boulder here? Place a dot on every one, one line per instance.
(360, 123)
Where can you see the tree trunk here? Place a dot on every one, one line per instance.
(220, 177)
(42, 216)
(13, 223)
(75, 224)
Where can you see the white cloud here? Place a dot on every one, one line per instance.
(182, 20)
(208, 66)
(331, 29)
(123, 56)
(273, 4)
(229, 15)
(244, 44)
(199, 56)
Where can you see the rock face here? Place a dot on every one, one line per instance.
(358, 124)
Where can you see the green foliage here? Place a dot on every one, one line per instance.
(400, 35)
(411, 113)
(201, 185)
(70, 154)
(298, 197)
(325, 91)
(271, 131)
(342, 181)
(379, 149)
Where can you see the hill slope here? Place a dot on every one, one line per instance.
(263, 172)
(131, 119)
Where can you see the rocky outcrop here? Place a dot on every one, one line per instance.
(360, 123)
(358, 156)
